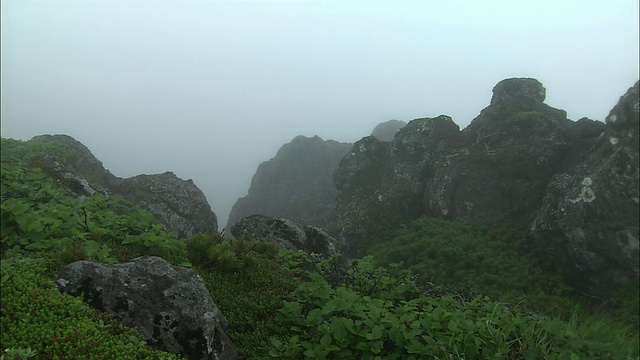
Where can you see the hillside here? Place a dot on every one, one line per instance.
(271, 302)
(178, 205)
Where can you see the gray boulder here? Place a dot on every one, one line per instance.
(179, 205)
(519, 92)
(169, 305)
(286, 233)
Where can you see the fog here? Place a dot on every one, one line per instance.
(210, 89)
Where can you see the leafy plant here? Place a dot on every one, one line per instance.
(350, 321)
(467, 257)
(212, 252)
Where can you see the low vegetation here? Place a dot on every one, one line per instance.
(437, 290)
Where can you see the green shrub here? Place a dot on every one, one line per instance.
(212, 252)
(627, 298)
(249, 297)
(37, 216)
(465, 257)
(350, 321)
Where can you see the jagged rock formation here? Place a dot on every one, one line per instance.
(387, 130)
(589, 216)
(170, 306)
(179, 205)
(296, 184)
(286, 233)
(497, 168)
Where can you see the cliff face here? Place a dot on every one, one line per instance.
(179, 205)
(296, 184)
(517, 160)
(589, 215)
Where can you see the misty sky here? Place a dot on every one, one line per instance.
(209, 89)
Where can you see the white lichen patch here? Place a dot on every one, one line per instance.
(629, 243)
(612, 118)
(586, 194)
(614, 140)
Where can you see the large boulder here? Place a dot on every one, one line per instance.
(286, 233)
(589, 216)
(519, 92)
(296, 184)
(179, 205)
(169, 305)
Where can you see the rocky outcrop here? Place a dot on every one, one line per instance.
(296, 184)
(179, 205)
(65, 178)
(286, 233)
(72, 157)
(496, 168)
(499, 166)
(387, 130)
(589, 216)
(169, 305)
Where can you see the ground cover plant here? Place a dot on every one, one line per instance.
(248, 284)
(381, 313)
(468, 257)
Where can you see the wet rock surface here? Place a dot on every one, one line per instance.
(169, 305)
(589, 216)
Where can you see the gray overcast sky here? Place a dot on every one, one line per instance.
(209, 89)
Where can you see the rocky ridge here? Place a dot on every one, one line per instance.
(179, 205)
(296, 184)
(517, 160)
